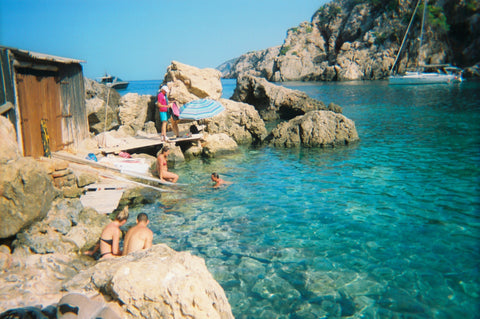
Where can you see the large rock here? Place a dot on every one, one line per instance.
(157, 283)
(274, 101)
(33, 279)
(303, 48)
(257, 63)
(315, 129)
(8, 141)
(97, 96)
(188, 83)
(240, 121)
(67, 228)
(218, 144)
(100, 116)
(26, 193)
(94, 89)
(136, 110)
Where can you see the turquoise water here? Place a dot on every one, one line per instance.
(386, 228)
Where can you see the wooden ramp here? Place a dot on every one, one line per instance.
(76, 159)
(104, 198)
(135, 142)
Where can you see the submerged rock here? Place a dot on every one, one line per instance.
(315, 129)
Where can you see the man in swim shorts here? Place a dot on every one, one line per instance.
(139, 236)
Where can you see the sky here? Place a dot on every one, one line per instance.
(137, 40)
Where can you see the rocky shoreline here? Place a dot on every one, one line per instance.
(44, 228)
(358, 40)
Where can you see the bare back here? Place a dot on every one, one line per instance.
(110, 240)
(137, 238)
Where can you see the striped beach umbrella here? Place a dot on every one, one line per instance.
(200, 109)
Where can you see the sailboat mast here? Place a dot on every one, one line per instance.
(405, 37)
(421, 33)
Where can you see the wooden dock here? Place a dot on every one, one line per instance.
(135, 142)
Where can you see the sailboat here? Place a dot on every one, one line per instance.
(445, 72)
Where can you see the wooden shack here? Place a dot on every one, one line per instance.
(43, 92)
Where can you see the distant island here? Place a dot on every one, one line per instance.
(359, 40)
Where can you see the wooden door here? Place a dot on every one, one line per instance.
(39, 99)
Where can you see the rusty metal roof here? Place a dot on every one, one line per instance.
(42, 56)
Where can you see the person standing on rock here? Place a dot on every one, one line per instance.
(162, 166)
(109, 242)
(162, 103)
(139, 236)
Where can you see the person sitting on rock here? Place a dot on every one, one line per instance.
(162, 167)
(109, 242)
(139, 236)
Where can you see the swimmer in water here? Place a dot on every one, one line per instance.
(218, 181)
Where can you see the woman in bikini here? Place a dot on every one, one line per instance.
(162, 168)
(109, 242)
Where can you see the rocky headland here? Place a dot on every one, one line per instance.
(44, 228)
(359, 40)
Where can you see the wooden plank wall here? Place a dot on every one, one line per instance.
(74, 112)
(7, 93)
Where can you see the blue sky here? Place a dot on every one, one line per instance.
(137, 40)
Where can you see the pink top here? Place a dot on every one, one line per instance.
(162, 101)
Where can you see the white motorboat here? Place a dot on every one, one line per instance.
(113, 82)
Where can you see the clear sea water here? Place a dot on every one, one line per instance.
(386, 228)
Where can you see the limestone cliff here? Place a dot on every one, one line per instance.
(359, 40)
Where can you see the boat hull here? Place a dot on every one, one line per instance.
(423, 78)
(118, 85)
